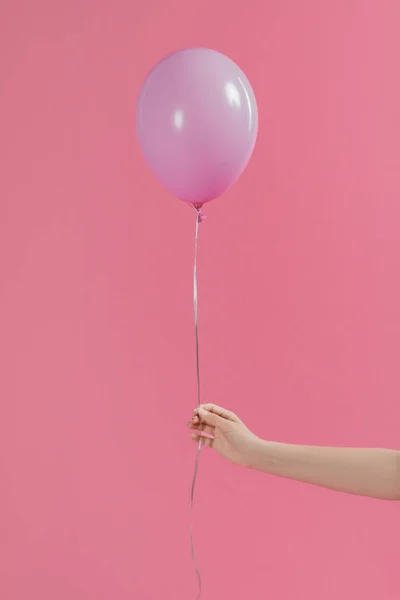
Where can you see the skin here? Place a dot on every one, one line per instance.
(368, 472)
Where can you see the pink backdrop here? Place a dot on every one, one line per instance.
(300, 296)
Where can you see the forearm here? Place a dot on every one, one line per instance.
(365, 472)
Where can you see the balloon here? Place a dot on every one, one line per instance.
(197, 122)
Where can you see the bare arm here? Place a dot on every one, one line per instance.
(365, 472)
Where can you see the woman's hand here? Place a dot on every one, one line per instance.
(223, 431)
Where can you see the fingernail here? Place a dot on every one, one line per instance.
(202, 412)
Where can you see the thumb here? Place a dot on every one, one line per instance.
(209, 418)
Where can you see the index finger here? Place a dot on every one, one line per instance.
(221, 412)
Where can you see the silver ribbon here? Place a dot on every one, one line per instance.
(199, 219)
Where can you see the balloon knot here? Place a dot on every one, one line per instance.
(200, 216)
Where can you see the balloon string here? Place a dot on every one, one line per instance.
(199, 219)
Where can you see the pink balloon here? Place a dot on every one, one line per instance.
(197, 122)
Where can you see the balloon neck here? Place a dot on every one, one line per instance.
(200, 216)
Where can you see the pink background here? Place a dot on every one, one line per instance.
(300, 296)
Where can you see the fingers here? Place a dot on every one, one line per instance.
(206, 418)
(202, 429)
(203, 432)
(213, 416)
(220, 412)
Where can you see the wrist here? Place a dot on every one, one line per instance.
(258, 457)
